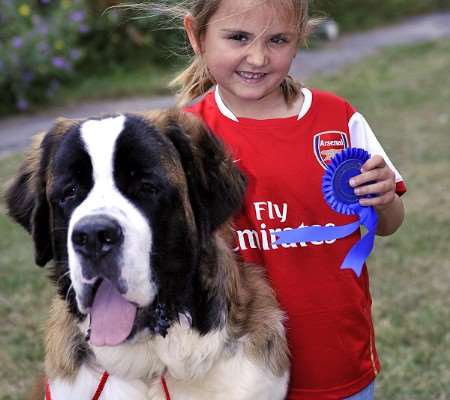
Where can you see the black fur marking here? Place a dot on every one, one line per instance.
(174, 254)
(71, 166)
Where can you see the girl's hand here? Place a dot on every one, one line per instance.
(382, 183)
(378, 179)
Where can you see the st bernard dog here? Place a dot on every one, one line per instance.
(152, 302)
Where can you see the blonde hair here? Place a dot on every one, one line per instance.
(196, 80)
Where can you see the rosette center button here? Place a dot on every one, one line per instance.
(340, 182)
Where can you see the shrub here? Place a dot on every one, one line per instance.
(360, 14)
(123, 37)
(38, 48)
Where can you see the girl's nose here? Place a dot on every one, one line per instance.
(257, 55)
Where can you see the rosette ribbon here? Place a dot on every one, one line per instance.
(340, 197)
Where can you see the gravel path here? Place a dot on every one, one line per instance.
(15, 132)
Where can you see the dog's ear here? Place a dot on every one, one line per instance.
(27, 204)
(216, 186)
(25, 195)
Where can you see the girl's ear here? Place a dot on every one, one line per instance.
(192, 32)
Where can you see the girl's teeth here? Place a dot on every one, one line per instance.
(249, 75)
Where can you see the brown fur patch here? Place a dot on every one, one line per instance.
(254, 311)
(65, 347)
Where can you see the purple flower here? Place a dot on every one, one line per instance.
(22, 104)
(52, 88)
(60, 63)
(75, 54)
(42, 29)
(83, 29)
(27, 77)
(43, 48)
(36, 19)
(77, 16)
(17, 42)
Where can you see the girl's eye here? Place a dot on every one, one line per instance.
(278, 40)
(239, 37)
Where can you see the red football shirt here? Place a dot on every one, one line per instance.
(329, 324)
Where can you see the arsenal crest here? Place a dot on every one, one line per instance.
(328, 144)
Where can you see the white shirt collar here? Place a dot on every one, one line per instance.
(307, 101)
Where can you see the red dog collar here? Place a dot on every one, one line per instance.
(101, 386)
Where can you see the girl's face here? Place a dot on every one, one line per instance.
(248, 47)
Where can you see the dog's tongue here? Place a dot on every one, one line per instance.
(112, 316)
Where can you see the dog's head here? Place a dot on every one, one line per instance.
(126, 206)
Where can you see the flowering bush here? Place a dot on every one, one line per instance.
(39, 48)
(48, 42)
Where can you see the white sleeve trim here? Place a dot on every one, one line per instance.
(361, 135)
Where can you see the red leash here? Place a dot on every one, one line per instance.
(101, 386)
(47, 391)
(166, 389)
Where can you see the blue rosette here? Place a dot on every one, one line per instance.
(335, 183)
(341, 197)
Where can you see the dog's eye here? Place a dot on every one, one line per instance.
(69, 192)
(148, 187)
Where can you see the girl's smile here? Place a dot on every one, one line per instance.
(251, 77)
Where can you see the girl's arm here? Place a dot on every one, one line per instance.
(387, 203)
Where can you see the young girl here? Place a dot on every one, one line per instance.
(282, 136)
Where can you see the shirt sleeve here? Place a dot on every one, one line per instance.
(362, 136)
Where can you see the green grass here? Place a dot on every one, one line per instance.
(405, 95)
(24, 295)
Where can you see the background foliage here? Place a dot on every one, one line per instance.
(46, 44)
(357, 14)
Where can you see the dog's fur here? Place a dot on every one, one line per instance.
(205, 321)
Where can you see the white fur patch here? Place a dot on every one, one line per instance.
(99, 137)
(196, 367)
(233, 376)
(186, 353)
(85, 384)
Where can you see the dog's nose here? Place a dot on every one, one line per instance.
(95, 236)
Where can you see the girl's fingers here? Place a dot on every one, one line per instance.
(374, 175)
(376, 188)
(376, 179)
(378, 201)
(374, 162)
